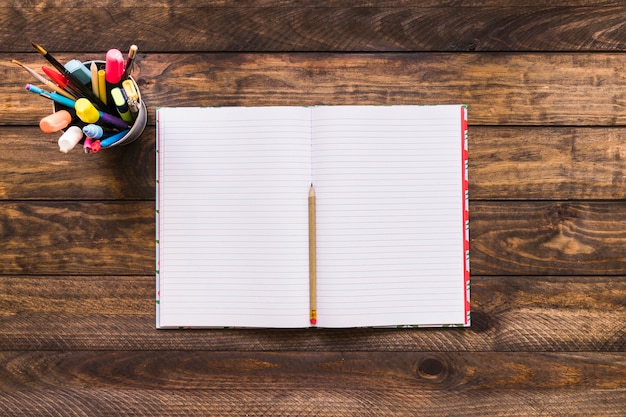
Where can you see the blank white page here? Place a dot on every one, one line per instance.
(390, 227)
(232, 217)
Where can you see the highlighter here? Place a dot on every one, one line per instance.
(86, 111)
(70, 138)
(114, 67)
(93, 131)
(78, 70)
(56, 121)
(120, 103)
(89, 114)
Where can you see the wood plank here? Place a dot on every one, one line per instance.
(201, 383)
(398, 371)
(562, 163)
(75, 237)
(507, 238)
(509, 314)
(327, 401)
(34, 169)
(288, 26)
(500, 89)
(548, 238)
(547, 163)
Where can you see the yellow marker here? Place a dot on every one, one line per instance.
(102, 86)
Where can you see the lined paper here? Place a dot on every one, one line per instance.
(233, 224)
(232, 219)
(389, 215)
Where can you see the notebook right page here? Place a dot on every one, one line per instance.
(391, 226)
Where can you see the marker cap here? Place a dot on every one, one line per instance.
(93, 131)
(79, 71)
(70, 138)
(114, 66)
(86, 111)
(130, 90)
(58, 79)
(56, 121)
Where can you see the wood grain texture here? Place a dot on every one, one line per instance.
(513, 163)
(297, 383)
(72, 238)
(33, 168)
(546, 92)
(328, 401)
(507, 238)
(500, 89)
(422, 371)
(511, 314)
(288, 26)
(506, 163)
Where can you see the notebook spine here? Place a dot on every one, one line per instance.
(465, 155)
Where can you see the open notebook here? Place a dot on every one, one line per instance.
(391, 216)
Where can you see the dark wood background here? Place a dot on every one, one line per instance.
(546, 89)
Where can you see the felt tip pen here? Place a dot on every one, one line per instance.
(111, 140)
(114, 66)
(130, 90)
(120, 102)
(102, 86)
(57, 98)
(86, 112)
(93, 131)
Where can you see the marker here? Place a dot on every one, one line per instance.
(130, 90)
(57, 98)
(132, 96)
(70, 138)
(93, 69)
(102, 86)
(120, 103)
(86, 112)
(45, 81)
(87, 144)
(95, 146)
(114, 66)
(93, 131)
(72, 79)
(129, 61)
(78, 70)
(56, 121)
(111, 140)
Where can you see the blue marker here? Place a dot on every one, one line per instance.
(111, 140)
(79, 71)
(93, 131)
(56, 97)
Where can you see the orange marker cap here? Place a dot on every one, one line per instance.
(56, 121)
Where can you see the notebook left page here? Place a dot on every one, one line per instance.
(232, 224)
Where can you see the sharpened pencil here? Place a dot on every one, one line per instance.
(312, 259)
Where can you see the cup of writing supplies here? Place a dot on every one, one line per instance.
(135, 115)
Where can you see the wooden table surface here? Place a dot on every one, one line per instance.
(546, 89)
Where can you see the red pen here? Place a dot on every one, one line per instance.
(60, 80)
